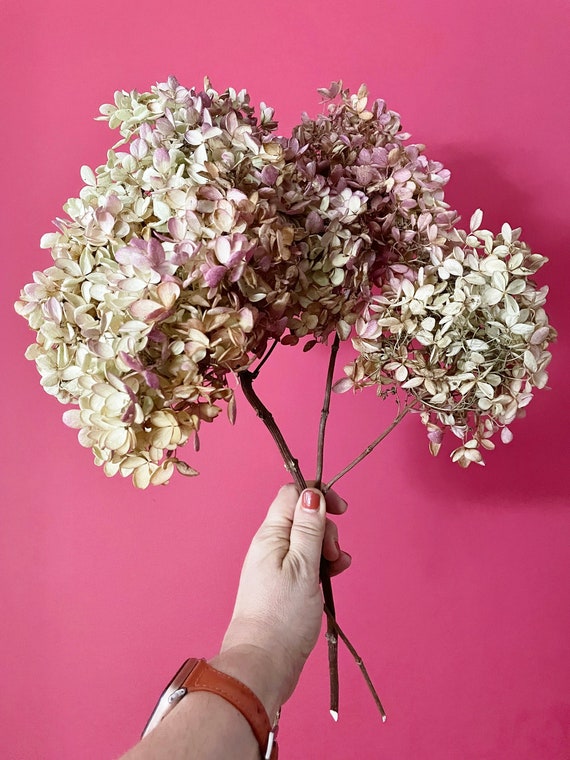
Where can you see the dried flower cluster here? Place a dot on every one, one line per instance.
(206, 236)
(355, 192)
(463, 331)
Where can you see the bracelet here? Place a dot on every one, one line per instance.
(204, 677)
(198, 675)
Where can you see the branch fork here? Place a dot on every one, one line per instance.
(334, 632)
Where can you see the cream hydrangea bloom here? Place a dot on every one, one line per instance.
(463, 333)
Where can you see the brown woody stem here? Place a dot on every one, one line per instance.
(359, 662)
(292, 466)
(369, 448)
(325, 412)
(334, 631)
(331, 635)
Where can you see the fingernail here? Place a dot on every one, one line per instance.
(311, 501)
(336, 543)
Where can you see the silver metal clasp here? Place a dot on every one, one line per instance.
(176, 696)
(272, 736)
(270, 741)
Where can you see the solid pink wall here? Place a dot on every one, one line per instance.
(458, 594)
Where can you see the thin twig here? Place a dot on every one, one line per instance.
(369, 448)
(358, 660)
(263, 359)
(331, 637)
(325, 412)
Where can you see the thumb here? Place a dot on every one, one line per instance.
(308, 529)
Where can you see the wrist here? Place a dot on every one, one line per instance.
(255, 668)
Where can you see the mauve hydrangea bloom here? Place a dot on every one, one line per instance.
(205, 237)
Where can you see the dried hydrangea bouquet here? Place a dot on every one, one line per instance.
(206, 240)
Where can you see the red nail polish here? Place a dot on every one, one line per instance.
(311, 500)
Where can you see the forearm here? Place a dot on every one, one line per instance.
(274, 627)
(204, 726)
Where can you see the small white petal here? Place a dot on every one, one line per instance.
(475, 221)
(88, 176)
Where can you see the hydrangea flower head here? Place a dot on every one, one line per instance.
(205, 237)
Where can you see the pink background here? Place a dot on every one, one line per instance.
(458, 593)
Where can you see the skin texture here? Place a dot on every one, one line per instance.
(279, 605)
(274, 627)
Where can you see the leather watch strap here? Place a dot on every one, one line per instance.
(206, 678)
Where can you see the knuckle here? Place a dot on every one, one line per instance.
(289, 490)
(310, 531)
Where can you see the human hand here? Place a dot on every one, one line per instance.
(279, 605)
